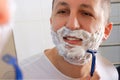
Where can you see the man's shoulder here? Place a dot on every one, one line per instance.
(105, 68)
(31, 59)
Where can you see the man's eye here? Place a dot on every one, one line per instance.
(61, 12)
(86, 14)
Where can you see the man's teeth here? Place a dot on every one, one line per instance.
(72, 38)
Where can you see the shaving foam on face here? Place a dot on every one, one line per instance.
(75, 54)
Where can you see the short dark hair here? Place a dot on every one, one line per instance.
(105, 5)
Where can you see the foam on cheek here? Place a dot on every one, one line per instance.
(96, 38)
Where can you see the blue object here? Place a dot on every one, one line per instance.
(13, 61)
(93, 61)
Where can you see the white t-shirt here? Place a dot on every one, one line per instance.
(39, 67)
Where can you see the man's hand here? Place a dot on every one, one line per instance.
(95, 77)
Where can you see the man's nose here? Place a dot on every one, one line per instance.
(72, 22)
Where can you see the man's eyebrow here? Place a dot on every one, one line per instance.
(86, 6)
(61, 4)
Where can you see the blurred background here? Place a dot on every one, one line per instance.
(31, 33)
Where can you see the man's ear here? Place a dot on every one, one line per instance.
(108, 29)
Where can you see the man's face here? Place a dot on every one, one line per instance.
(77, 25)
(78, 14)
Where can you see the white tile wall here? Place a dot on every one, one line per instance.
(32, 28)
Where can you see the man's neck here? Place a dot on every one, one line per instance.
(66, 68)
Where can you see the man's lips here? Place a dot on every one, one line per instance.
(72, 40)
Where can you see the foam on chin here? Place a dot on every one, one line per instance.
(72, 53)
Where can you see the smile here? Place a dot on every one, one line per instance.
(72, 40)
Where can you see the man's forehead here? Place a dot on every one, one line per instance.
(85, 3)
(77, 0)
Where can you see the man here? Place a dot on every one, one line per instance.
(78, 28)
